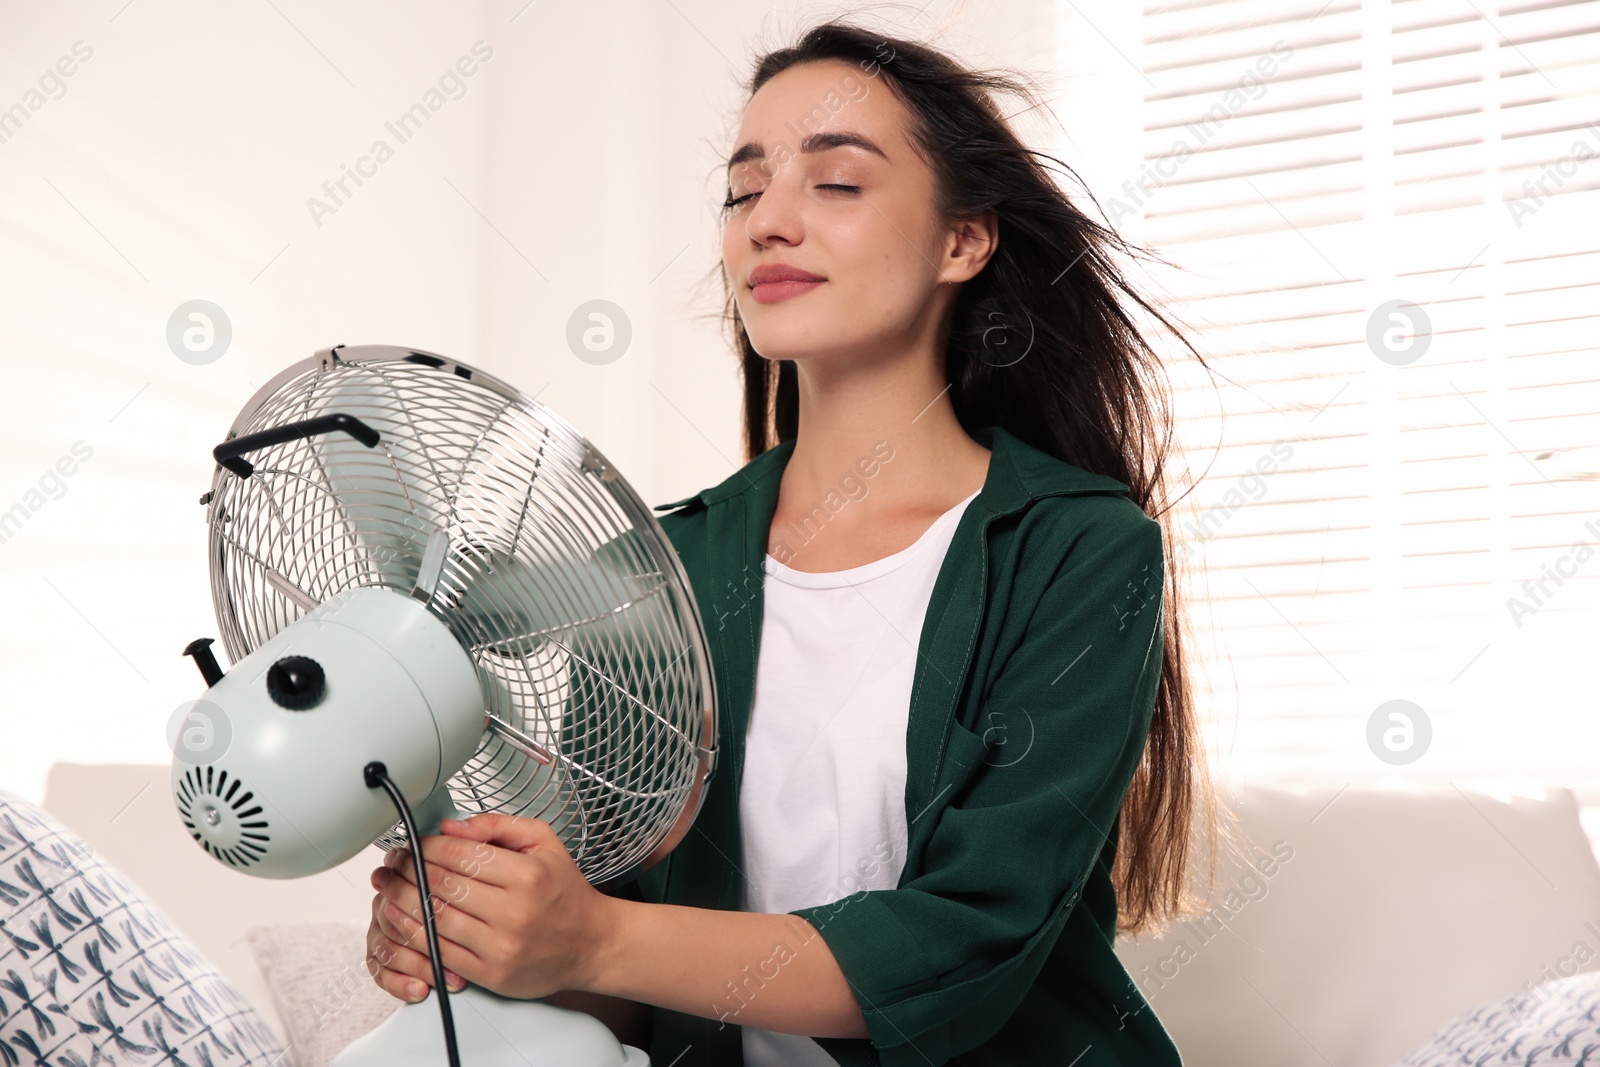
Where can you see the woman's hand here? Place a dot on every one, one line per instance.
(512, 911)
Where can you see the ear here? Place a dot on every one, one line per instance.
(970, 244)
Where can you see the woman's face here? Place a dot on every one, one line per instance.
(826, 182)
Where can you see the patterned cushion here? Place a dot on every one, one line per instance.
(90, 972)
(1557, 1022)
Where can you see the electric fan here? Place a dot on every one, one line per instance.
(432, 586)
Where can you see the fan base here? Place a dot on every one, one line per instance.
(491, 1031)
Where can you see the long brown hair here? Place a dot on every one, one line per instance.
(1091, 391)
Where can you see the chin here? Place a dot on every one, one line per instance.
(781, 341)
(776, 348)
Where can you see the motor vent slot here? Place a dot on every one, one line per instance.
(223, 815)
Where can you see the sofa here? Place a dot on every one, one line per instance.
(1351, 924)
(1357, 921)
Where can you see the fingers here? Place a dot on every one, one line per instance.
(448, 888)
(402, 920)
(400, 970)
(463, 855)
(482, 846)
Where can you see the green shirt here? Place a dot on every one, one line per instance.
(1031, 700)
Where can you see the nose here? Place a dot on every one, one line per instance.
(774, 216)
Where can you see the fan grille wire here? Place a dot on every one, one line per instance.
(614, 683)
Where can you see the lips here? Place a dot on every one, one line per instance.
(772, 282)
(781, 272)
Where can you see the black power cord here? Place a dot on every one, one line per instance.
(376, 774)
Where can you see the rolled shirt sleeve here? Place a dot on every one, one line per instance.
(940, 963)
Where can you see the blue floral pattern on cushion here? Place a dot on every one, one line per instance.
(92, 974)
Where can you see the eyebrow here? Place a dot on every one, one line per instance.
(816, 142)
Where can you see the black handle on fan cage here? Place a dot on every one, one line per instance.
(231, 453)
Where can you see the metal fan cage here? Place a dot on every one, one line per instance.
(601, 722)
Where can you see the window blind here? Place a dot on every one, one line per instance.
(1383, 220)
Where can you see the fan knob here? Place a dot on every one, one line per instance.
(296, 682)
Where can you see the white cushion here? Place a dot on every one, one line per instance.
(324, 994)
(1397, 910)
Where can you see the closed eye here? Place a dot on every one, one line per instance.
(736, 201)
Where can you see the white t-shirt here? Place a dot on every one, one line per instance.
(822, 794)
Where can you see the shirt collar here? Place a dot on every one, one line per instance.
(1018, 473)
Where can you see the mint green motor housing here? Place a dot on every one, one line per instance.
(280, 793)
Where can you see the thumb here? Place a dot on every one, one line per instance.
(515, 832)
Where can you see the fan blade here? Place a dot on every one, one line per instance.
(391, 496)
(515, 606)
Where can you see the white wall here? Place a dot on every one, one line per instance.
(176, 162)
(177, 165)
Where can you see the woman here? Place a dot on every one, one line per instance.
(958, 745)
